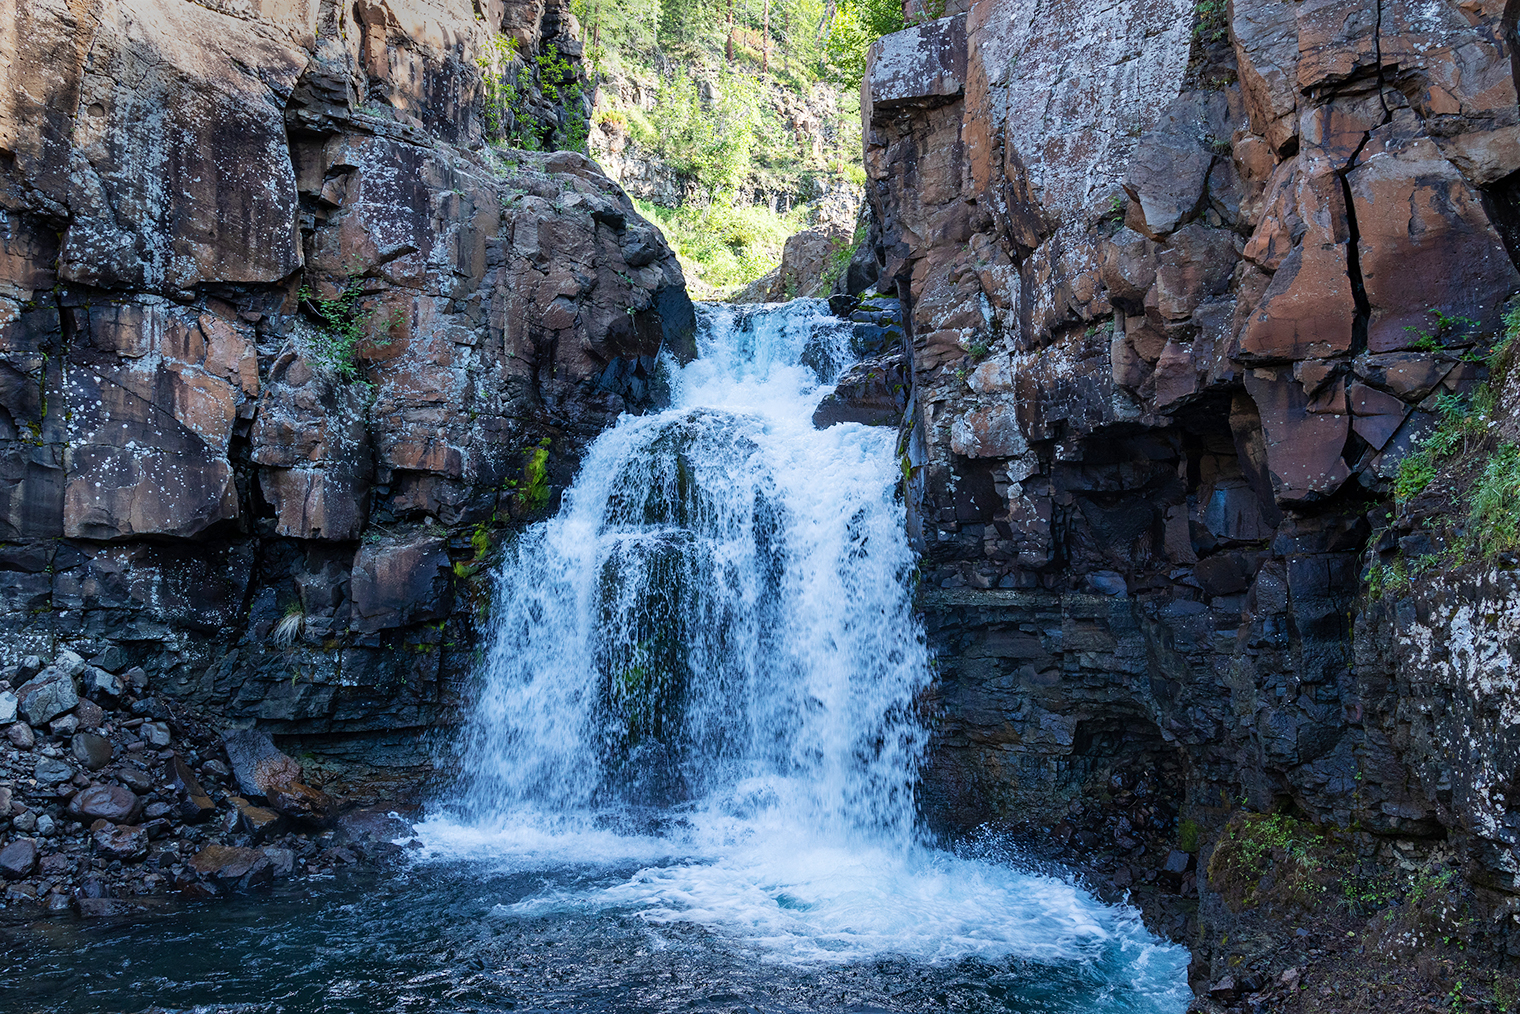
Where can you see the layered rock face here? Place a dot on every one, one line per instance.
(284, 342)
(1172, 283)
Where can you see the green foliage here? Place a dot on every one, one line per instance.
(1210, 20)
(1495, 515)
(724, 245)
(341, 327)
(508, 80)
(856, 25)
(1187, 835)
(533, 494)
(1463, 426)
(711, 144)
(1447, 330)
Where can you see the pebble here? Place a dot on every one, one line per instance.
(65, 726)
(21, 736)
(156, 733)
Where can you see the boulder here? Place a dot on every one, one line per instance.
(301, 802)
(102, 683)
(233, 866)
(50, 771)
(874, 393)
(257, 763)
(46, 696)
(93, 751)
(128, 844)
(258, 821)
(194, 805)
(106, 802)
(18, 859)
(90, 714)
(7, 707)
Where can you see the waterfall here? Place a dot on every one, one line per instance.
(701, 693)
(719, 617)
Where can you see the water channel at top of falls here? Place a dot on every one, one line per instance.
(687, 778)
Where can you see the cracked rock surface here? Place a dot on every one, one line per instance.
(1170, 275)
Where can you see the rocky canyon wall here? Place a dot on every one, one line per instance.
(285, 344)
(1174, 277)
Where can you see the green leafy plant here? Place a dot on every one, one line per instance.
(1210, 20)
(341, 327)
(533, 493)
(1447, 329)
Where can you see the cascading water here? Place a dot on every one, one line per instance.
(688, 778)
(705, 668)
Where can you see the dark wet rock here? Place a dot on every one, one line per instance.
(21, 736)
(127, 843)
(156, 734)
(106, 802)
(7, 707)
(134, 778)
(193, 803)
(259, 821)
(301, 802)
(64, 727)
(231, 866)
(113, 659)
(102, 684)
(18, 859)
(93, 751)
(282, 861)
(45, 697)
(257, 763)
(874, 393)
(52, 771)
(110, 908)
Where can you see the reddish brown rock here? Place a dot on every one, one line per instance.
(106, 802)
(1426, 242)
(128, 844)
(232, 866)
(398, 583)
(194, 804)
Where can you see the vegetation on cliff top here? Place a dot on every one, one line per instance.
(750, 106)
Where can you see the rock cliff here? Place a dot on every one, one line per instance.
(1181, 284)
(285, 343)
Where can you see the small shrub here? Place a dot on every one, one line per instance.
(342, 325)
(1210, 20)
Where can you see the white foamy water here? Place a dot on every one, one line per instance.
(700, 695)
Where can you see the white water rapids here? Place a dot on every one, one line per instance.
(704, 670)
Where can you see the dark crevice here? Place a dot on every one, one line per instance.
(1363, 319)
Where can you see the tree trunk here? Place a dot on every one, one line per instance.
(765, 43)
(728, 48)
